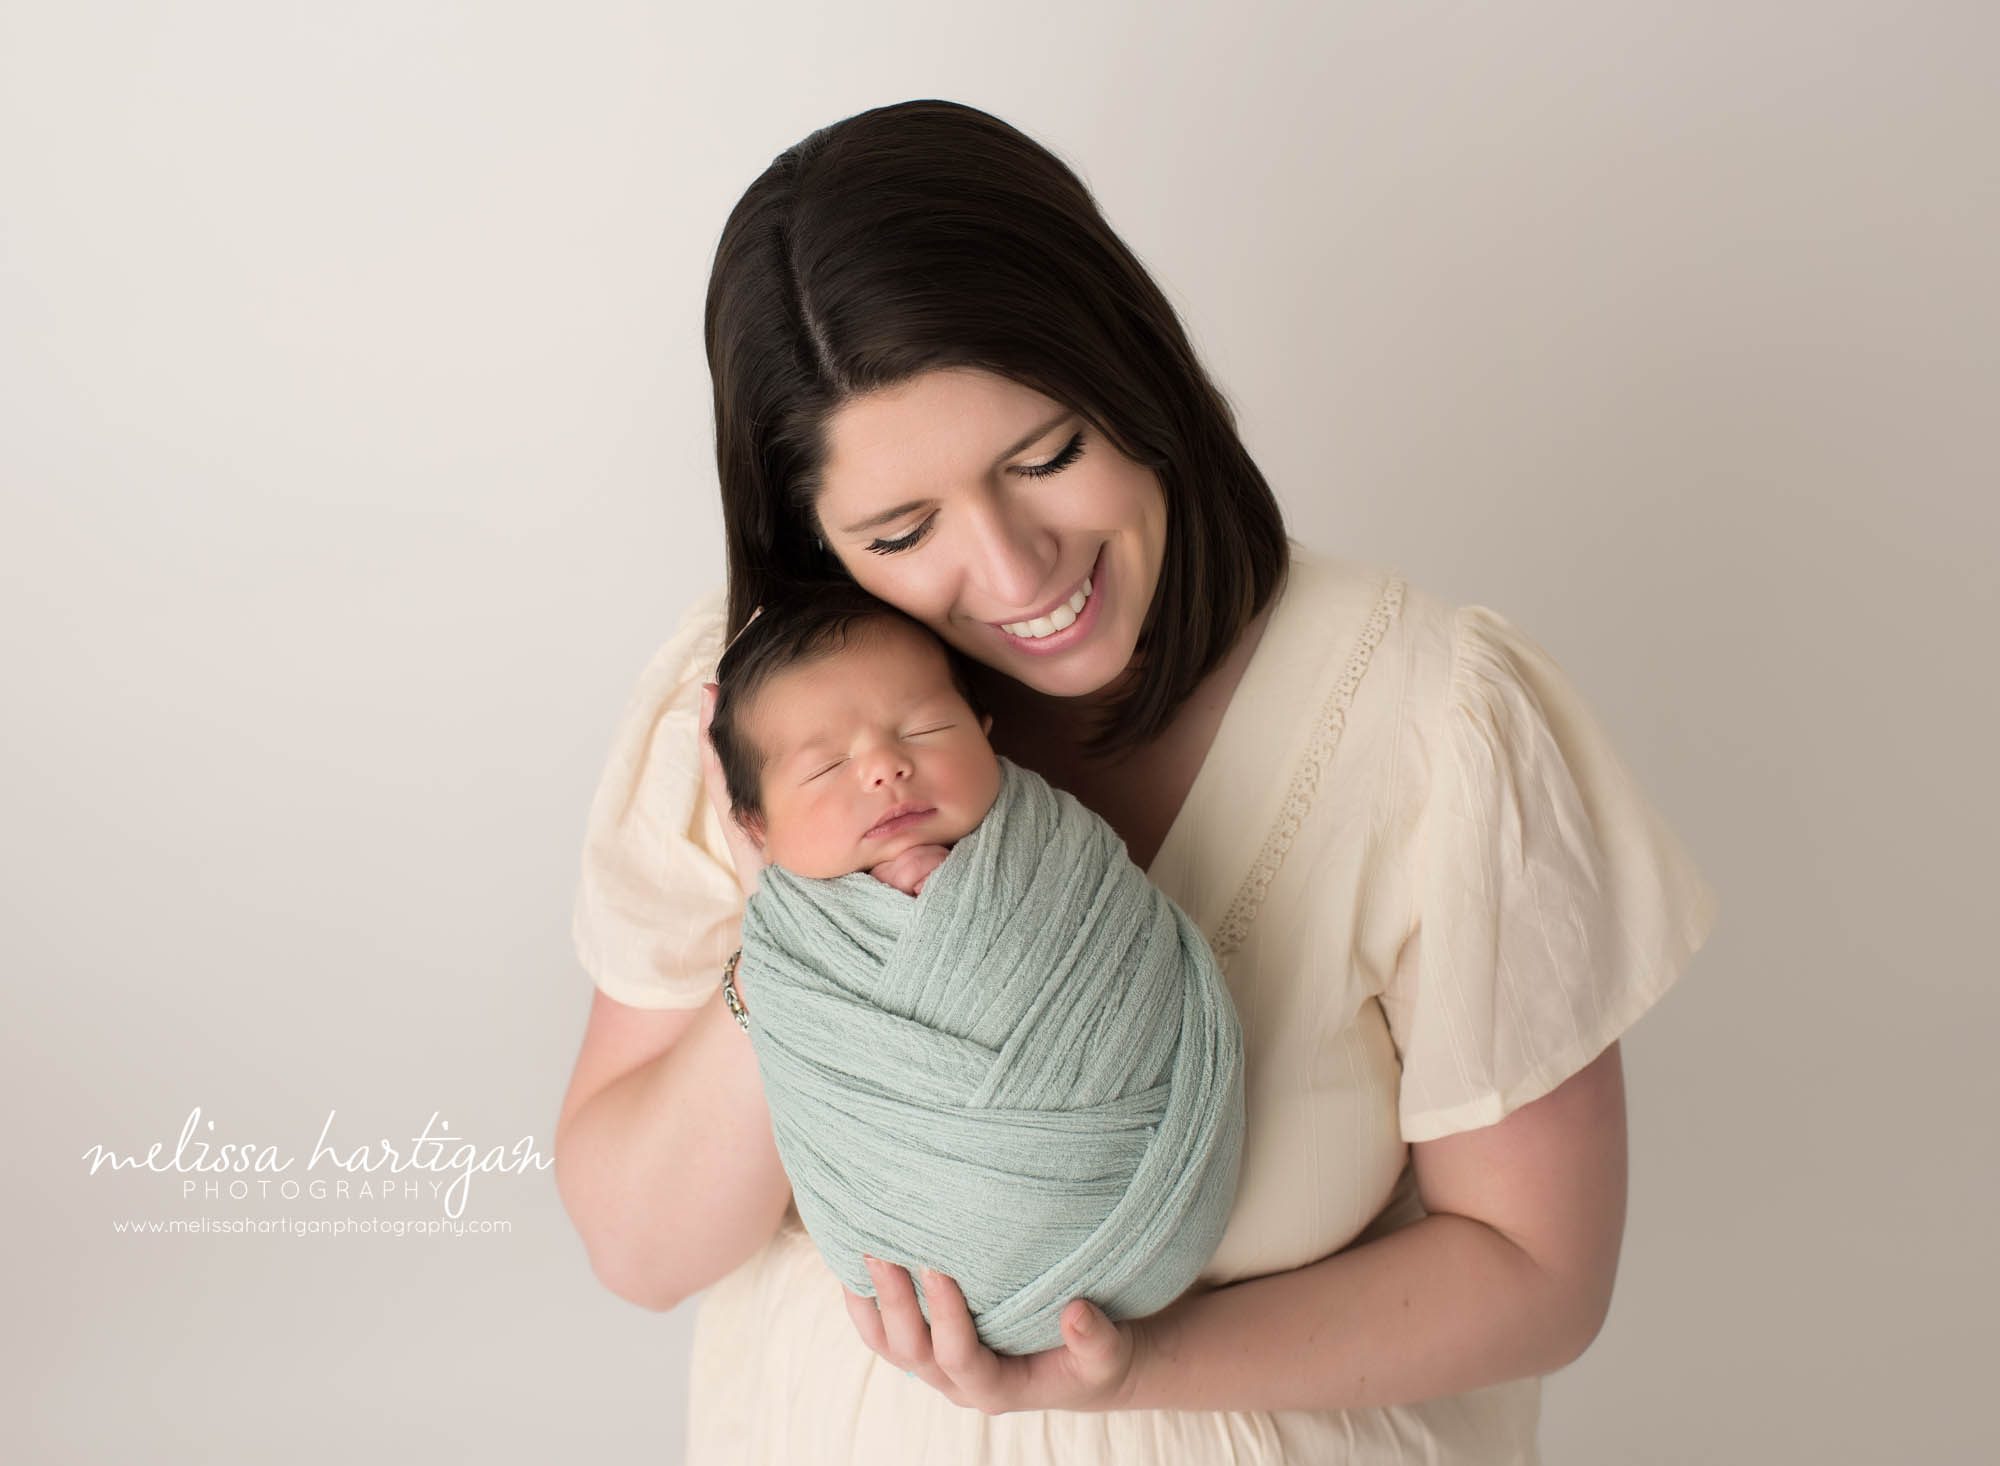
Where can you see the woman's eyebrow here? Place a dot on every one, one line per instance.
(901, 509)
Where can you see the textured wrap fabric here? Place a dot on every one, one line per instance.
(1029, 1077)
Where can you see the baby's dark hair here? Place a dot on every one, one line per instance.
(800, 625)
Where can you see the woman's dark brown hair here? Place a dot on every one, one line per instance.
(927, 235)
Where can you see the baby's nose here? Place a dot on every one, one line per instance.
(887, 766)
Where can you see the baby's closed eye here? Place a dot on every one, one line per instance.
(913, 733)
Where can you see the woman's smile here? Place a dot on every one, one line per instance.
(1071, 623)
(1073, 619)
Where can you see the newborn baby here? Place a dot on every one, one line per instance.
(865, 758)
(989, 1045)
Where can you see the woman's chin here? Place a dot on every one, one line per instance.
(1081, 676)
(1086, 670)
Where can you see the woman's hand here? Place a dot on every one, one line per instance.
(1090, 1371)
(743, 850)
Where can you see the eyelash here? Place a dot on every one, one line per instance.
(939, 728)
(1072, 451)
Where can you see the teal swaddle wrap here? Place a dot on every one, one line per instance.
(1029, 1077)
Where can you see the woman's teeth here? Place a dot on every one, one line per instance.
(1055, 621)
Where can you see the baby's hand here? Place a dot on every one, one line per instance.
(908, 872)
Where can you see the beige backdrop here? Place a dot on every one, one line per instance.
(355, 439)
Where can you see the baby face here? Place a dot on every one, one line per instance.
(868, 752)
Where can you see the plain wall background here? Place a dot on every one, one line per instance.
(355, 441)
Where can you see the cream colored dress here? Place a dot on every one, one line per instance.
(1436, 891)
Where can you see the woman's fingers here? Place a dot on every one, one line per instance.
(954, 1341)
(867, 1319)
(1090, 1370)
(946, 1351)
(908, 1341)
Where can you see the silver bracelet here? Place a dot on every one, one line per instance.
(729, 993)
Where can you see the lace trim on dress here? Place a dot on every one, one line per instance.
(1235, 923)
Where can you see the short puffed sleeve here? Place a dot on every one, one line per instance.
(1553, 903)
(658, 907)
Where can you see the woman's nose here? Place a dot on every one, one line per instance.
(1012, 560)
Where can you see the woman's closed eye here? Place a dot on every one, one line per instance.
(1072, 451)
(908, 541)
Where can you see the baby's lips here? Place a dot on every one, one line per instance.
(869, 833)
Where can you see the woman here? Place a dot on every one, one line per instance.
(1438, 894)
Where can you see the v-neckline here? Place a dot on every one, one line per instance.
(1249, 689)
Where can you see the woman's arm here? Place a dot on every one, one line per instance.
(1510, 1276)
(663, 1151)
(664, 1155)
